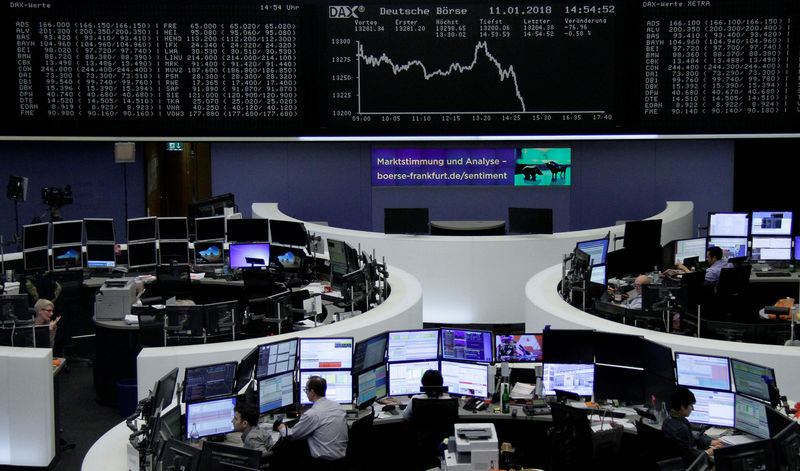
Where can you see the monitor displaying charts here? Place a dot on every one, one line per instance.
(208, 418)
(712, 408)
(275, 392)
(339, 385)
(371, 385)
(370, 352)
(576, 378)
(465, 379)
(750, 379)
(750, 416)
(405, 378)
(468, 345)
(771, 223)
(686, 248)
(327, 353)
(413, 345)
(771, 248)
(209, 381)
(703, 371)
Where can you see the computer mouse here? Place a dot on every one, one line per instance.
(388, 408)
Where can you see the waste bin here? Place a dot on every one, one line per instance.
(126, 395)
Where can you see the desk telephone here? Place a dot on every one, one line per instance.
(475, 404)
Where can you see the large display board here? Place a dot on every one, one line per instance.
(287, 69)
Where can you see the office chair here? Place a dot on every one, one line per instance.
(654, 447)
(432, 420)
(730, 300)
(362, 449)
(174, 281)
(571, 447)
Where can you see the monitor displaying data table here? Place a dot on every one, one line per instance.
(413, 345)
(703, 371)
(326, 353)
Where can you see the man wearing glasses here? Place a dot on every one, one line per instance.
(44, 315)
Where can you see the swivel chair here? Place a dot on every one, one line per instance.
(432, 421)
(361, 444)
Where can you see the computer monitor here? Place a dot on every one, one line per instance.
(728, 224)
(465, 379)
(326, 353)
(703, 371)
(180, 455)
(467, 345)
(34, 260)
(14, 309)
(68, 233)
(214, 206)
(99, 230)
(408, 345)
(771, 223)
(750, 379)
(731, 246)
(221, 457)
(530, 220)
(768, 249)
(244, 372)
(405, 378)
(787, 447)
(371, 385)
(623, 384)
(173, 228)
(686, 248)
(657, 359)
(173, 252)
(247, 230)
(209, 381)
(35, 236)
(209, 253)
(276, 358)
(286, 258)
(210, 228)
(248, 255)
(576, 378)
(618, 349)
(597, 250)
(142, 254)
(67, 256)
(101, 255)
(207, 418)
(750, 416)
(142, 229)
(518, 347)
(164, 391)
(712, 407)
(758, 454)
(642, 234)
(276, 392)
(167, 425)
(568, 346)
(405, 221)
(339, 385)
(291, 233)
(598, 275)
(370, 352)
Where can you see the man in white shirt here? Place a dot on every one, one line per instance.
(636, 301)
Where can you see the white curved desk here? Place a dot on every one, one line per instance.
(544, 306)
(479, 279)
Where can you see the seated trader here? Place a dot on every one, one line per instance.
(245, 420)
(636, 301)
(44, 315)
(429, 378)
(715, 265)
(677, 428)
(323, 426)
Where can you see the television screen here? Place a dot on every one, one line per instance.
(518, 348)
(645, 233)
(703, 371)
(209, 381)
(142, 254)
(276, 392)
(68, 233)
(209, 253)
(99, 230)
(750, 416)
(210, 228)
(275, 358)
(173, 228)
(749, 378)
(771, 223)
(248, 255)
(731, 246)
(597, 250)
(292, 233)
(771, 248)
(340, 385)
(141, 229)
(371, 385)
(573, 377)
(413, 345)
(173, 252)
(530, 220)
(35, 236)
(67, 256)
(327, 353)
(465, 379)
(207, 418)
(248, 230)
(712, 408)
(405, 221)
(36, 259)
(405, 378)
(101, 255)
(469, 345)
(370, 352)
(728, 224)
(686, 248)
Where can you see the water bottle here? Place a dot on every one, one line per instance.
(194, 434)
(505, 399)
(653, 410)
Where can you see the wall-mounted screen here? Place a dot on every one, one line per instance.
(413, 345)
(326, 353)
(405, 378)
(468, 345)
(516, 348)
(771, 223)
(572, 377)
(465, 379)
(703, 371)
(248, 255)
(712, 408)
(728, 224)
(339, 385)
(276, 392)
(207, 418)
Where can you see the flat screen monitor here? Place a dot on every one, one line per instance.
(405, 221)
(247, 230)
(36, 259)
(728, 224)
(339, 385)
(173, 252)
(465, 379)
(209, 381)
(173, 228)
(210, 228)
(576, 378)
(164, 390)
(771, 223)
(327, 353)
(248, 255)
(371, 385)
(645, 233)
(568, 346)
(141, 229)
(405, 378)
(771, 248)
(518, 347)
(703, 371)
(221, 457)
(370, 352)
(750, 379)
(787, 447)
(35, 236)
(597, 250)
(411, 345)
(276, 392)
(530, 220)
(657, 359)
(99, 230)
(180, 455)
(750, 416)
(286, 258)
(598, 275)
(276, 358)
(712, 407)
(14, 309)
(756, 455)
(101, 255)
(168, 425)
(209, 253)
(68, 233)
(467, 345)
(67, 256)
(618, 349)
(207, 418)
(686, 248)
(731, 246)
(142, 254)
(244, 372)
(292, 233)
(623, 384)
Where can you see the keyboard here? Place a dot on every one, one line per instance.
(736, 439)
(716, 432)
(770, 274)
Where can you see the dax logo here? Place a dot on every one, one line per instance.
(344, 11)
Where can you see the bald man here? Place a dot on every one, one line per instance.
(636, 301)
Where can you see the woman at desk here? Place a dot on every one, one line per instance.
(429, 378)
(44, 315)
(677, 428)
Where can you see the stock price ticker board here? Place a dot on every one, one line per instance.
(283, 70)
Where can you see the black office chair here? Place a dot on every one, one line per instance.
(654, 448)
(174, 281)
(432, 420)
(732, 293)
(362, 448)
(571, 447)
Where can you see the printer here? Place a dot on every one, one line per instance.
(474, 448)
(114, 300)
